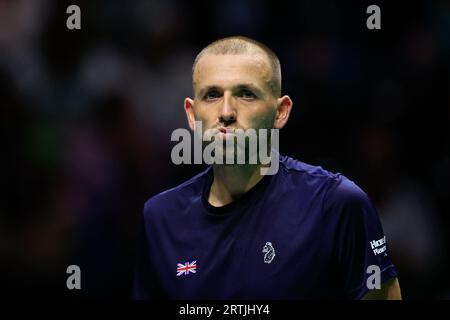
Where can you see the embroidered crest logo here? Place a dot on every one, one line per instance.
(269, 251)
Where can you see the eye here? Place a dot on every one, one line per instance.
(211, 95)
(247, 94)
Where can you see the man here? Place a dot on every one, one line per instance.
(232, 232)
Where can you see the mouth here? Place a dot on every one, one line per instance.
(226, 133)
(224, 130)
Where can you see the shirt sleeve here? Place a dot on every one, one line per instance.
(146, 285)
(360, 245)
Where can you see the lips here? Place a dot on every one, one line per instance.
(226, 130)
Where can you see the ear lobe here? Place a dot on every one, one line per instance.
(283, 111)
(189, 109)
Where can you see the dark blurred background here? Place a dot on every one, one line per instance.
(86, 118)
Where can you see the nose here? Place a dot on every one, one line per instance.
(227, 111)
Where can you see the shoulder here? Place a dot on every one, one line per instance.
(346, 202)
(180, 195)
(335, 188)
(344, 193)
(300, 173)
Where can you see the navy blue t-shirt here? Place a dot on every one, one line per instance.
(303, 233)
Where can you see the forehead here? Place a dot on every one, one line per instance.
(232, 69)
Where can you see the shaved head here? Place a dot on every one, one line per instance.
(241, 45)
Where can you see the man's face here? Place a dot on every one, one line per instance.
(233, 92)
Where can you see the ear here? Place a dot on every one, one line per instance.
(284, 106)
(189, 108)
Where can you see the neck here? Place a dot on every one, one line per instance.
(232, 182)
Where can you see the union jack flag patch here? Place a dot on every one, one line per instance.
(186, 268)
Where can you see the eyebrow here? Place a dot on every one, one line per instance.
(239, 86)
(208, 88)
(248, 86)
